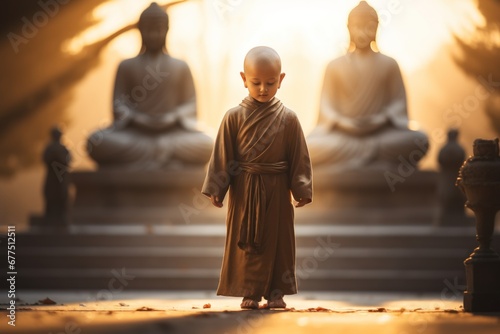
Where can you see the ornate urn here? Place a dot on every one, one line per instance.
(479, 179)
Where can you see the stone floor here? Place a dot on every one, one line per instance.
(107, 311)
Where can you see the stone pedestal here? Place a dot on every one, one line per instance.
(174, 198)
(483, 286)
(39, 224)
(142, 198)
(371, 197)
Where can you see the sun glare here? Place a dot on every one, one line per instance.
(213, 37)
(418, 29)
(110, 17)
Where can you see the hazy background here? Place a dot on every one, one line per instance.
(58, 61)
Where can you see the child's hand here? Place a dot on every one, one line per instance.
(302, 201)
(215, 201)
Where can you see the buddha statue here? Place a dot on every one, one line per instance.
(154, 108)
(363, 120)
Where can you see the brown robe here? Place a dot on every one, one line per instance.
(260, 156)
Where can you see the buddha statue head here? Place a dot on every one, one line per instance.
(362, 24)
(153, 25)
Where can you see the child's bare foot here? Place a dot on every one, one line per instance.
(276, 303)
(249, 303)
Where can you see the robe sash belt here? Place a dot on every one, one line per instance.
(252, 225)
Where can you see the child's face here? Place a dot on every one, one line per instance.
(262, 80)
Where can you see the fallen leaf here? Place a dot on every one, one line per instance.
(47, 301)
(380, 309)
(451, 311)
(144, 308)
(123, 304)
(321, 309)
(207, 305)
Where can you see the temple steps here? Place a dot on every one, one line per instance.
(348, 258)
(371, 215)
(211, 257)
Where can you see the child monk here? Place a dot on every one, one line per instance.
(260, 156)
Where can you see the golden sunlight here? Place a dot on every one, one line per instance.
(110, 17)
(414, 31)
(214, 35)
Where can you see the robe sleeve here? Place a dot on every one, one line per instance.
(120, 105)
(222, 165)
(397, 108)
(300, 171)
(328, 116)
(187, 96)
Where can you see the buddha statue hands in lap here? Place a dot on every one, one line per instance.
(154, 108)
(363, 121)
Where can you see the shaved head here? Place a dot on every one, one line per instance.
(262, 73)
(262, 56)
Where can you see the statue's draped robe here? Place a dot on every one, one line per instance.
(361, 89)
(260, 156)
(154, 88)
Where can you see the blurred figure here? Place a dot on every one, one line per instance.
(55, 190)
(451, 200)
(154, 108)
(363, 119)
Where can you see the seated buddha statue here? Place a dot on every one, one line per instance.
(363, 120)
(154, 108)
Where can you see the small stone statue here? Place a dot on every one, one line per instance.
(451, 210)
(479, 179)
(57, 159)
(363, 120)
(154, 108)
